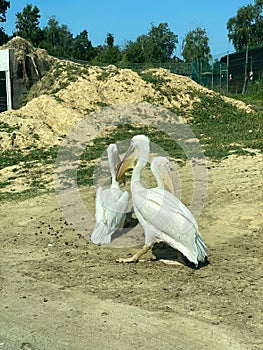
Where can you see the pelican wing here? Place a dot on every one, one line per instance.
(111, 205)
(165, 218)
(99, 204)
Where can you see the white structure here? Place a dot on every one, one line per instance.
(5, 67)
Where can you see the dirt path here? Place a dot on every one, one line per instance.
(59, 291)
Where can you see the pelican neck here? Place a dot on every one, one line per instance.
(137, 171)
(144, 151)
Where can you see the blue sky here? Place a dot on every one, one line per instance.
(127, 19)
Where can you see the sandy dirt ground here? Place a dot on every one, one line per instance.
(60, 291)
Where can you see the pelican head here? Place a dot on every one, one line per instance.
(160, 167)
(113, 156)
(138, 152)
(114, 160)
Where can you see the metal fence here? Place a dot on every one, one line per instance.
(237, 72)
(3, 104)
(232, 73)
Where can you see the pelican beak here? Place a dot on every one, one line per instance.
(167, 178)
(123, 179)
(127, 163)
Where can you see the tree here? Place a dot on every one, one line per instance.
(3, 37)
(195, 48)
(134, 52)
(58, 39)
(4, 5)
(109, 53)
(157, 45)
(161, 43)
(109, 40)
(27, 24)
(246, 28)
(82, 48)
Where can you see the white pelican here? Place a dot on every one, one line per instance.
(163, 217)
(111, 204)
(160, 167)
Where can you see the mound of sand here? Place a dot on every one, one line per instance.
(30, 61)
(69, 91)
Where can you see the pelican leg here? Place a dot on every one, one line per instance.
(136, 256)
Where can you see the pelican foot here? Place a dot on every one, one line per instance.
(135, 257)
(127, 260)
(172, 262)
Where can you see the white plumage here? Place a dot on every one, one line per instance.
(162, 215)
(111, 204)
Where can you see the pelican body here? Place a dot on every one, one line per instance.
(163, 216)
(111, 204)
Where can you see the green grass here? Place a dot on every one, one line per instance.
(160, 85)
(221, 128)
(28, 169)
(42, 155)
(119, 133)
(21, 196)
(107, 74)
(7, 128)
(70, 72)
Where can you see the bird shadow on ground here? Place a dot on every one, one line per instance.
(163, 251)
(129, 224)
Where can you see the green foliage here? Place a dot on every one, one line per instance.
(57, 39)
(71, 71)
(7, 128)
(246, 27)
(4, 5)
(82, 48)
(162, 43)
(152, 78)
(109, 39)
(61, 75)
(253, 96)
(223, 129)
(15, 196)
(119, 133)
(3, 37)
(104, 75)
(196, 50)
(45, 156)
(134, 51)
(159, 84)
(107, 55)
(157, 45)
(27, 24)
(196, 46)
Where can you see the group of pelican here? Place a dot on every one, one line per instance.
(163, 217)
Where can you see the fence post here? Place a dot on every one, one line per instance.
(212, 76)
(245, 75)
(227, 72)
